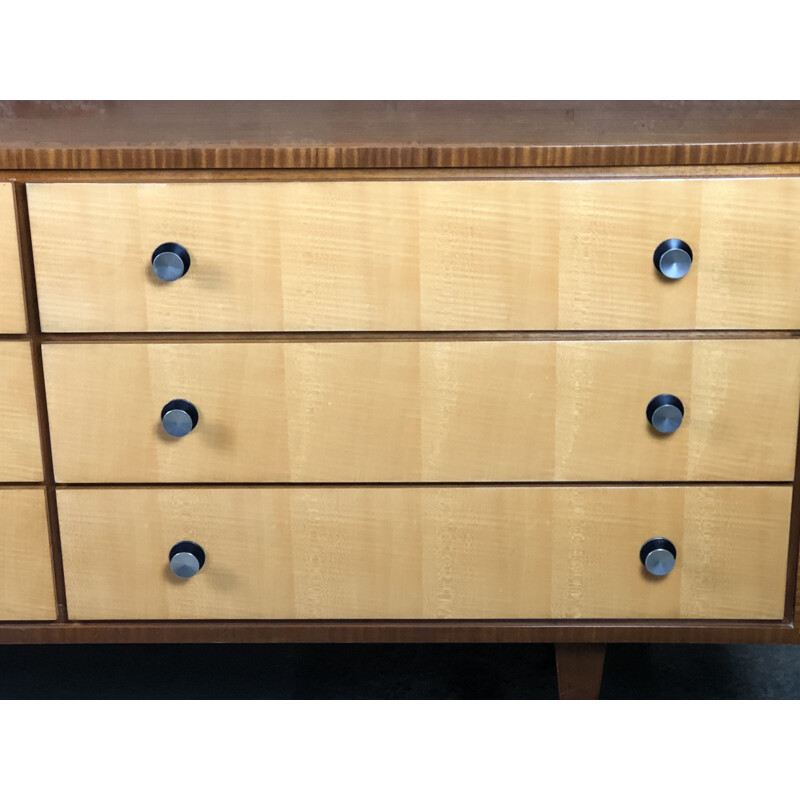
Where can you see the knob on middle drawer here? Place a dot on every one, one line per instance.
(658, 556)
(673, 258)
(179, 417)
(665, 413)
(170, 261)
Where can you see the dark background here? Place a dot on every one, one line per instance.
(383, 671)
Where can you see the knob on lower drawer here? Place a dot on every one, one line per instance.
(673, 258)
(170, 261)
(179, 417)
(658, 556)
(665, 413)
(186, 559)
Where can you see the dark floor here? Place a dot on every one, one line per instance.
(511, 671)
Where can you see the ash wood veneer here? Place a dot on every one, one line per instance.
(12, 306)
(404, 411)
(427, 255)
(26, 574)
(20, 452)
(424, 553)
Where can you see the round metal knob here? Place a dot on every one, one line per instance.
(665, 413)
(179, 417)
(170, 261)
(673, 258)
(186, 559)
(658, 556)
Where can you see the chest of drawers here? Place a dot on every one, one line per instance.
(457, 387)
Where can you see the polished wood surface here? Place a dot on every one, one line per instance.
(206, 134)
(432, 552)
(257, 175)
(418, 255)
(580, 670)
(746, 138)
(12, 308)
(406, 411)
(26, 575)
(34, 336)
(399, 632)
(20, 453)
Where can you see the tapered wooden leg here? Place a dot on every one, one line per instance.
(580, 670)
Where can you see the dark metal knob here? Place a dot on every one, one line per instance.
(179, 417)
(665, 413)
(170, 261)
(186, 559)
(673, 258)
(658, 556)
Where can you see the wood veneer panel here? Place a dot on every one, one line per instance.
(207, 134)
(12, 306)
(318, 553)
(19, 429)
(26, 573)
(451, 411)
(418, 255)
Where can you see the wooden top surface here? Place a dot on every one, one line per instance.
(376, 134)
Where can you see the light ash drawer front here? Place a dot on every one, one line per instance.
(423, 411)
(432, 552)
(20, 451)
(26, 573)
(418, 255)
(12, 305)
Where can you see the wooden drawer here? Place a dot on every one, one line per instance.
(26, 573)
(424, 411)
(432, 552)
(418, 255)
(12, 305)
(20, 452)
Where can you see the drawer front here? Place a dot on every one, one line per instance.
(12, 306)
(424, 411)
(26, 573)
(19, 426)
(418, 255)
(433, 552)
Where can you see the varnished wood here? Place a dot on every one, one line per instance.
(743, 170)
(792, 583)
(766, 115)
(21, 458)
(12, 309)
(408, 336)
(394, 631)
(203, 134)
(473, 553)
(424, 411)
(34, 336)
(418, 255)
(26, 576)
(580, 670)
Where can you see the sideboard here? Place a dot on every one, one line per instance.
(400, 372)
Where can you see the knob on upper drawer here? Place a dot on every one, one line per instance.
(673, 258)
(179, 417)
(658, 556)
(186, 559)
(665, 413)
(170, 261)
